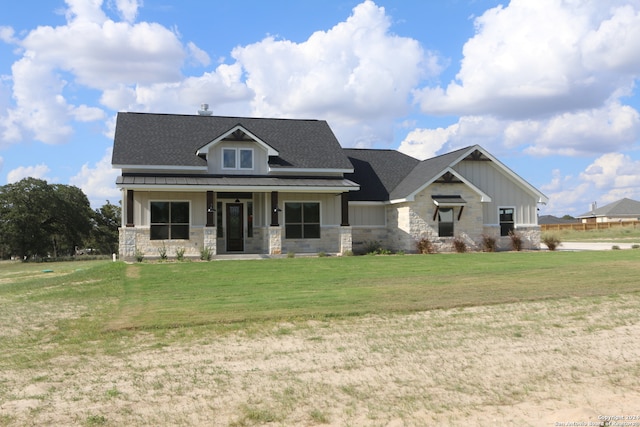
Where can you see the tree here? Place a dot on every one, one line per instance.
(38, 219)
(104, 235)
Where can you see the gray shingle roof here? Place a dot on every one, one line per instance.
(388, 174)
(622, 208)
(378, 172)
(423, 172)
(144, 139)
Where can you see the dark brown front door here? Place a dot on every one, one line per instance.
(235, 230)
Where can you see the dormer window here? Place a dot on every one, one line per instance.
(237, 158)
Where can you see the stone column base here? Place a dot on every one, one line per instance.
(275, 240)
(346, 239)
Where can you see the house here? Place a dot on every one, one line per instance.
(273, 186)
(620, 211)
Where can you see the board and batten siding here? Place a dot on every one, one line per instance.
(367, 215)
(330, 205)
(504, 192)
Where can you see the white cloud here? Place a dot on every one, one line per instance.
(356, 72)
(39, 171)
(534, 58)
(128, 9)
(98, 182)
(581, 133)
(608, 178)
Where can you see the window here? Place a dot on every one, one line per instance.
(302, 220)
(507, 222)
(246, 158)
(237, 158)
(228, 158)
(169, 220)
(219, 226)
(249, 219)
(445, 222)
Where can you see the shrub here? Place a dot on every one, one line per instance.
(489, 243)
(180, 254)
(516, 240)
(372, 247)
(459, 245)
(139, 255)
(347, 253)
(205, 253)
(635, 246)
(615, 247)
(551, 240)
(162, 252)
(291, 254)
(322, 254)
(425, 246)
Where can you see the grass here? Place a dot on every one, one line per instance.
(178, 295)
(618, 234)
(102, 336)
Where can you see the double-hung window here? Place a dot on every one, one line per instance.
(237, 158)
(507, 222)
(169, 220)
(445, 222)
(302, 220)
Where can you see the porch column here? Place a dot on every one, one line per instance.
(274, 209)
(129, 222)
(211, 206)
(210, 230)
(275, 231)
(345, 210)
(346, 240)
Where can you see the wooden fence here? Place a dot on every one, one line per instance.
(584, 226)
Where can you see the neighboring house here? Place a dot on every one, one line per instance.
(554, 220)
(273, 186)
(622, 210)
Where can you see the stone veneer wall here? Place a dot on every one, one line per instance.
(411, 221)
(361, 236)
(329, 242)
(530, 237)
(133, 239)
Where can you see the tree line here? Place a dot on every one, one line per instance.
(41, 220)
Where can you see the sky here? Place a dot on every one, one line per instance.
(549, 87)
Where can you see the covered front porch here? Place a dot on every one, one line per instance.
(242, 221)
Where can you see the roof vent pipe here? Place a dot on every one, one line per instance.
(204, 110)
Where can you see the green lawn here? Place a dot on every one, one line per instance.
(172, 294)
(112, 328)
(615, 234)
(178, 294)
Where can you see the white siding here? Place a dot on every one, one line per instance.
(214, 158)
(502, 190)
(367, 215)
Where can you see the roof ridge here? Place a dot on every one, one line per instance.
(221, 116)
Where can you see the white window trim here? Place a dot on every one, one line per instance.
(239, 158)
(237, 151)
(514, 216)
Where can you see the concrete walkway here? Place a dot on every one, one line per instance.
(593, 246)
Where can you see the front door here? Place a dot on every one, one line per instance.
(235, 230)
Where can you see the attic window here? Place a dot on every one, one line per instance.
(237, 158)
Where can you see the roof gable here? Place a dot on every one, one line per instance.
(236, 133)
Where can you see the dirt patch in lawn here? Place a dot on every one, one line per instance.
(525, 364)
